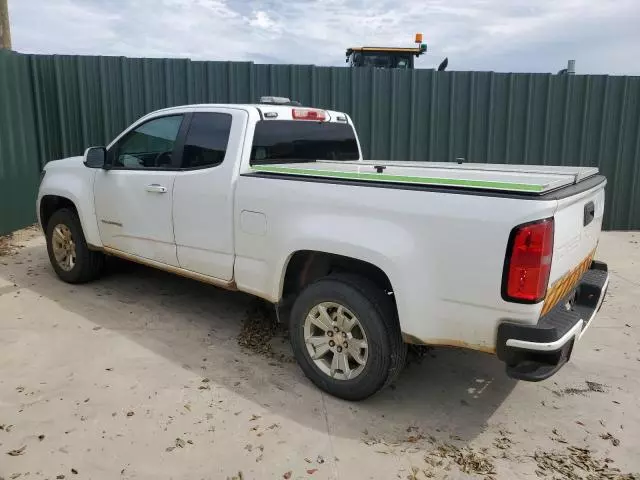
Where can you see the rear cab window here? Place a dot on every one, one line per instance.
(294, 141)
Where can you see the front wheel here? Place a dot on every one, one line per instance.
(345, 336)
(68, 251)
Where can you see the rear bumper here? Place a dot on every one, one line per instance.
(535, 352)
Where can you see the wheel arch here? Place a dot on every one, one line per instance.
(303, 267)
(50, 202)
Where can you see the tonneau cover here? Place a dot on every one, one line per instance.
(535, 180)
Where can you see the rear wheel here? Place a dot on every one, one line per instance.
(345, 336)
(68, 251)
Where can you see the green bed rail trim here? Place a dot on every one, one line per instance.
(453, 182)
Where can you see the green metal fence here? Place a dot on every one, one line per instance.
(56, 106)
(19, 156)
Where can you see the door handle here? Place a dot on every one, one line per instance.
(156, 188)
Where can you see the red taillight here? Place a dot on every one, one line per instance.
(528, 262)
(308, 114)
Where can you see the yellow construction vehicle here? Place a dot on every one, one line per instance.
(389, 57)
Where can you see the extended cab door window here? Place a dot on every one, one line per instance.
(206, 141)
(149, 146)
(203, 204)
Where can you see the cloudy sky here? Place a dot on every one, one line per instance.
(603, 36)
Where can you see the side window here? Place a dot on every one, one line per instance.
(206, 141)
(148, 146)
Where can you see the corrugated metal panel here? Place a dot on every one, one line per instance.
(68, 103)
(19, 168)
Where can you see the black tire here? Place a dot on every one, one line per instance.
(89, 264)
(377, 315)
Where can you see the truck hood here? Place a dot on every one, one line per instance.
(529, 179)
(65, 163)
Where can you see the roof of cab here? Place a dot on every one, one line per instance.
(417, 51)
(283, 111)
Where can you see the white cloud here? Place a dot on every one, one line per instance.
(262, 20)
(476, 34)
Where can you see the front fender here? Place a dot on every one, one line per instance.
(71, 179)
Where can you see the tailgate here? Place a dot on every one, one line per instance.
(578, 222)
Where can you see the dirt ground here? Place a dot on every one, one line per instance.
(141, 375)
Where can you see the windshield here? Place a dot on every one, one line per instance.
(281, 141)
(382, 60)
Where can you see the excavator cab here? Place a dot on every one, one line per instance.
(389, 57)
(386, 57)
(379, 57)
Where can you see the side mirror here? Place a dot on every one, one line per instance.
(94, 157)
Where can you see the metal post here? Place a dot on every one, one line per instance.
(5, 31)
(571, 67)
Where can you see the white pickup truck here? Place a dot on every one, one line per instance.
(360, 257)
